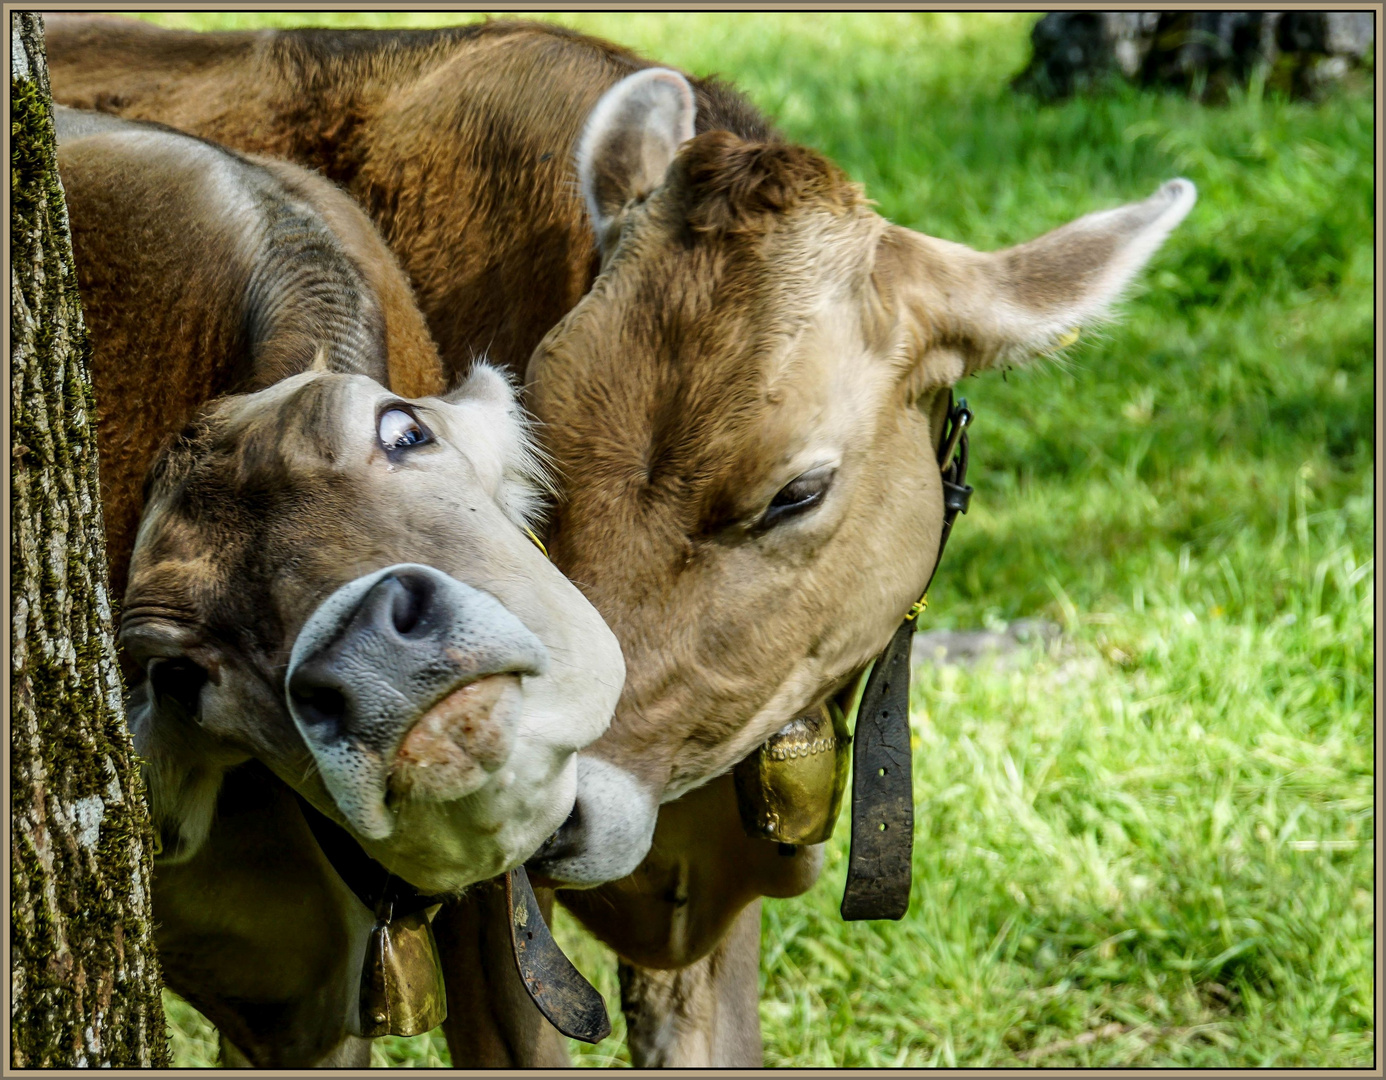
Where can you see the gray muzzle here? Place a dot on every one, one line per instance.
(379, 654)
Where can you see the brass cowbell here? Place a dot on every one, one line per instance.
(790, 788)
(402, 990)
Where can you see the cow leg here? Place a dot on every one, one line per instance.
(701, 872)
(705, 1015)
(687, 926)
(492, 1023)
(352, 1052)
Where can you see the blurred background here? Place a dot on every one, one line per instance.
(1144, 812)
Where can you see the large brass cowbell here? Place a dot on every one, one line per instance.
(790, 788)
(402, 990)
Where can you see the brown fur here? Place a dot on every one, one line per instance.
(263, 506)
(451, 139)
(738, 186)
(291, 952)
(223, 484)
(706, 395)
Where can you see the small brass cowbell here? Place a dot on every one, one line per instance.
(402, 990)
(790, 788)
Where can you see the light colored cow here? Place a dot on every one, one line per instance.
(757, 502)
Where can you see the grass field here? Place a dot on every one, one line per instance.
(1153, 843)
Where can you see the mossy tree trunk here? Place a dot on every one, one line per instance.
(84, 975)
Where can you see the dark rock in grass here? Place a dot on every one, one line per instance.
(1326, 33)
(1075, 51)
(1205, 53)
(968, 647)
(1318, 48)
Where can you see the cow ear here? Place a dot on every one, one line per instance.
(181, 780)
(183, 765)
(629, 140)
(963, 311)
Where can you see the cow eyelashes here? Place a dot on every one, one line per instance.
(398, 429)
(177, 682)
(802, 493)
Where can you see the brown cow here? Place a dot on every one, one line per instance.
(744, 404)
(330, 587)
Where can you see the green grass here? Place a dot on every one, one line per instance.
(1154, 844)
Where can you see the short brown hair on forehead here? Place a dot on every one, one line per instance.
(245, 441)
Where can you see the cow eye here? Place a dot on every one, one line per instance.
(177, 682)
(398, 430)
(802, 493)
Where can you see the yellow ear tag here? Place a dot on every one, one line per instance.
(1068, 339)
(537, 542)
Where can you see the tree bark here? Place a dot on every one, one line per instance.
(84, 975)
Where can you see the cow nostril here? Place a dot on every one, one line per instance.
(323, 709)
(409, 602)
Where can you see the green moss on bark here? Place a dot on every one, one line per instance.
(84, 976)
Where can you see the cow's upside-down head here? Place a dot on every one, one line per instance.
(745, 410)
(337, 581)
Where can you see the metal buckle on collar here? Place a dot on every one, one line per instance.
(959, 417)
(957, 493)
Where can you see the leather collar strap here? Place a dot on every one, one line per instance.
(373, 885)
(878, 868)
(957, 492)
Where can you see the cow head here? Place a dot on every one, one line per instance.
(337, 581)
(745, 410)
